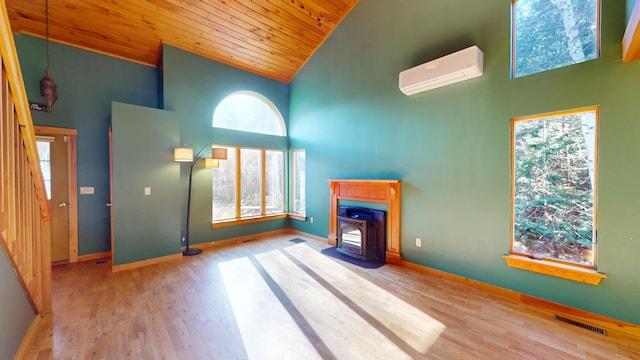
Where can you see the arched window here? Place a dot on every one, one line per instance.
(249, 185)
(249, 111)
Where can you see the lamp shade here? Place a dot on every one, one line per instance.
(210, 163)
(183, 154)
(219, 153)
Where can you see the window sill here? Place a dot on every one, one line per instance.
(251, 220)
(297, 217)
(575, 273)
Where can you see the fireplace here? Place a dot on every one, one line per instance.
(385, 192)
(361, 233)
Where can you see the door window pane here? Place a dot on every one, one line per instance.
(44, 152)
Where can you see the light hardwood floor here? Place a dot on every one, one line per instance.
(275, 299)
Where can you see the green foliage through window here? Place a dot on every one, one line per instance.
(548, 34)
(554, 192)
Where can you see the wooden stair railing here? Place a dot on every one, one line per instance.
(25, 217)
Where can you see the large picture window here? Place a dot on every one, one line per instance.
(554, 160)
(548, 34)
(249, 184)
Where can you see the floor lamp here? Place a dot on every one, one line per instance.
(185, 154)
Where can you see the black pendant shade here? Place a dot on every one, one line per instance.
(48, 87)
(48, 90)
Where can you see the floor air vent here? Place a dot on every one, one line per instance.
(592, 328)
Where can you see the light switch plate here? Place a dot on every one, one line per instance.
(147, 190)
(86, 190)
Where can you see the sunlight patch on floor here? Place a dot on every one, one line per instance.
(268, 330)
(294, 303)
(416, 328)
(345, 333)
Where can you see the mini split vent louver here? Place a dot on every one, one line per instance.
(462, 65)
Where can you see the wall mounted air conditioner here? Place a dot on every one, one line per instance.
(462, 65)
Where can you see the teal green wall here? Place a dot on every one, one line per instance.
(145, 226)
(16, 313)
(451, 146)
(192, 88)
(87, 84)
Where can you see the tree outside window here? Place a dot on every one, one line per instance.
(554, 186)
(548, 34)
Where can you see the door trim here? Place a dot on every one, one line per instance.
(110, 204)
(72, 160)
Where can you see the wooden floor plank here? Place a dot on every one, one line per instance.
(273, 298)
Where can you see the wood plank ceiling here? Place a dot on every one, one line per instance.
(273, 38)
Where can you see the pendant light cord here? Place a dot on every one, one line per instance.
(46, 11)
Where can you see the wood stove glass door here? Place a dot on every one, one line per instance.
(351, 238)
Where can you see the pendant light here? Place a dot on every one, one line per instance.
(48, 87)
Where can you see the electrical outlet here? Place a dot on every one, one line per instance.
(418, 242)
(311, 220)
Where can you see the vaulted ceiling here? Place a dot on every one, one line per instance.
(273, 38)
